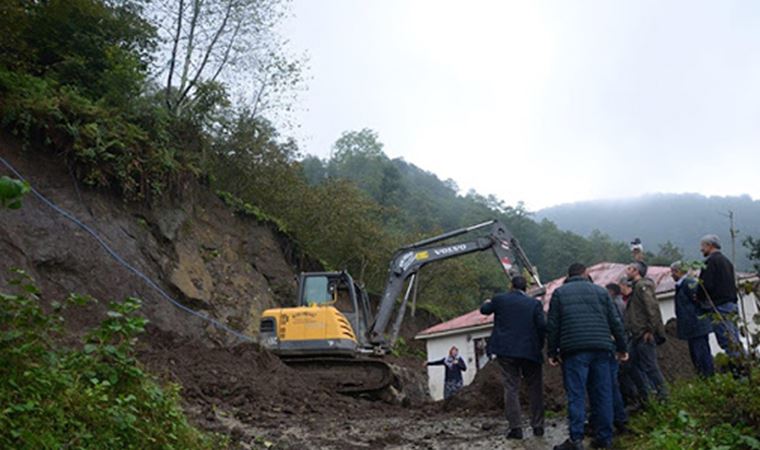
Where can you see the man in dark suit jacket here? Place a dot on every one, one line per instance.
(517, 340)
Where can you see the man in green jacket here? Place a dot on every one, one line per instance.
(643, 323)
(583, 331)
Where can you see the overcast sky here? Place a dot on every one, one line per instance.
(547, 103)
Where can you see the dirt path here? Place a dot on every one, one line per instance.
(406, 430)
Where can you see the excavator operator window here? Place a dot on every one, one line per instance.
(317, 291)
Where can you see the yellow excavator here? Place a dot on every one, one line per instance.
(332, 335)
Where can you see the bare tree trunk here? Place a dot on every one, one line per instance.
(207, 55)
(173, 59)
(226, 56)
(189, 50)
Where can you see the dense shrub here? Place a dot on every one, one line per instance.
(96, 397)
(722, 412)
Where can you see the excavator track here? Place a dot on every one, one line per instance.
(350, 376)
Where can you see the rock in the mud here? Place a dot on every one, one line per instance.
(169, 220)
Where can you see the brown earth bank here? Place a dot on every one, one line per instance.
(224, 266)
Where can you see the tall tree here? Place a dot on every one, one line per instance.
(231, 41)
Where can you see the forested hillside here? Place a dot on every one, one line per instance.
(681, 219)
(138, 111)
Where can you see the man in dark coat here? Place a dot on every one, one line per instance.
(580, 328)
(693, 325)
(517, 340)
(718, 291)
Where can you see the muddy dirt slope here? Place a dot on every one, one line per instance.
(223, 265)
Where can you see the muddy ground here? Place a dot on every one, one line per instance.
(249, 394)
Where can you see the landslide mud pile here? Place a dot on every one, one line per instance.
(243, 380)
(486, 393)
(673, 356)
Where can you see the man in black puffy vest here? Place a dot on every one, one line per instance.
(583, 333)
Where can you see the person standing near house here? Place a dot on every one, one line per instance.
(616, 294)
(643, 322)
(693, 325)
(454, 366)
(626, 376)
(718, 291)
(619, 416)
(637, 253)
(517, 340)
(625, 290)
(583, 331)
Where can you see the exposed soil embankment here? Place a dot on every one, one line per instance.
(225, 266)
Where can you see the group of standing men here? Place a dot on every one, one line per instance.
(606, 340)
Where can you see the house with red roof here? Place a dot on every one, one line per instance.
(470, 332)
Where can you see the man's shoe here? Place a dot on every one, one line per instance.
(570, 445)
(599, 444)
(515, 433)
(538, 431)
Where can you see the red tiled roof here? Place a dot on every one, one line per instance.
(602, 274)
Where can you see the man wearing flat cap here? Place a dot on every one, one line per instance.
(718, 290)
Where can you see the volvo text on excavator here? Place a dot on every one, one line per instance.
(333, 335)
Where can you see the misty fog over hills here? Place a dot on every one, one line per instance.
(679, 218)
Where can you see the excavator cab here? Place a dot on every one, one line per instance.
(331, 318)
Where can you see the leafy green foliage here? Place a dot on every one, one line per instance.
(753, 245)
(110, 149)
(11, 191)
(402, 349)
(73, 78)
(667, 254)
(94, 397)
(100, 49)
(335, 221)
(721, 412)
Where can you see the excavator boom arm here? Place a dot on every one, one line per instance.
(409, 260)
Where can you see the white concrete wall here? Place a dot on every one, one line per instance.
(438, 348)
(749, 302)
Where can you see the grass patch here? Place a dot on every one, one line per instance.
(720, 413)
